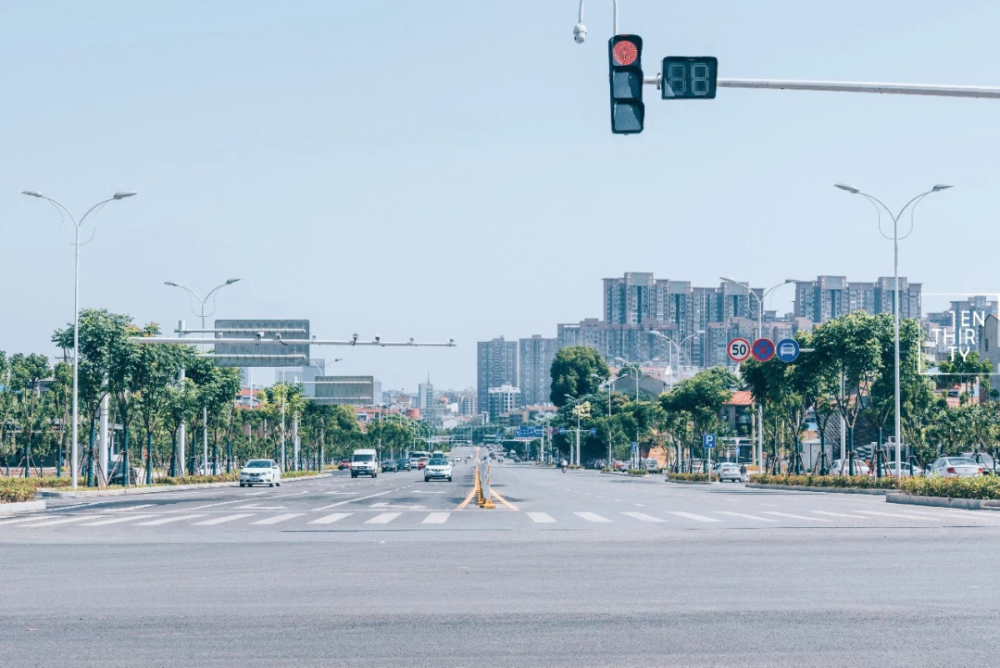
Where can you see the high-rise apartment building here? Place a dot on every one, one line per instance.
(830, 297)
(503, 400)
(534, 368)
(496, 365)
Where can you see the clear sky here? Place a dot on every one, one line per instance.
(445, 169)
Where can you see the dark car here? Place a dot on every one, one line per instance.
(389, 466)
(403, 464)
(344, 464)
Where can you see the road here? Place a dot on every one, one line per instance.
(575, 569)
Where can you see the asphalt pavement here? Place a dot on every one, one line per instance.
(574, 569)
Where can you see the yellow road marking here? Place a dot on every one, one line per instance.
(502, 500)
(467, 499)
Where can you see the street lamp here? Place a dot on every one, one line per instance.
(204, 409)
(760, 334)
(912, 206)
(76, 307)
(677, 346)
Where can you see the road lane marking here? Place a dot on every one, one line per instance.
(472, 493)
(167, 520)
(436, 518)
(383, 518)
(362, 498)
(643, 516)
(692, 516)
(503, 500)
(853, 517)
(207, 505)
(220, 520)
(263, 491)
(281, 496)
(541, 518)
(123, 510)
(330, 519)
(592, 517)
(62, 520)
(794, 517)
(905, 517)
(26, 519)
(277, 518)
(116, 520)
(747, 517)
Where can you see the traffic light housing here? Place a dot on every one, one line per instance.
(625, 75)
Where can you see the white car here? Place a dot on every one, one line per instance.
(437, 468)
(260, 472)
(364, 461)
(955, 467)
(728, 471)
(843, 467)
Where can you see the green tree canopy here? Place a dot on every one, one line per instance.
(576, 372)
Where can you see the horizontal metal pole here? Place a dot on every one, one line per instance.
(243, 330)
(933, 90)
(255, 357)
(288, 342)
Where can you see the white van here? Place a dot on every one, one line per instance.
(364, 461)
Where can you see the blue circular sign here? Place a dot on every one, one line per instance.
(787, 350)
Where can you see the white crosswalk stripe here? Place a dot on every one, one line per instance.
(330, 519)
(125, 509)
(853, 517)
(436, 518)
(61, 520)
(116, 520)
(223, 519)
(692, 516)
(643, 516)
(899, 515)
(729, 513)
(541, 518)
(794, 517)
(383, 518)
(168, 520)
(277, 518)
(26, 519)
(592, 517)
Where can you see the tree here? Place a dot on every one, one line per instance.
(26, 374)
(156, 369)
(697, 403)
(576, 372)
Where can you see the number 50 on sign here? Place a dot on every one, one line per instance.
(739, 350)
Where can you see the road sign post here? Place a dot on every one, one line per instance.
(788, 350)
(708, 442)
(762, 350)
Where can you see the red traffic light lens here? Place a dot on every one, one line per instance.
(625, 52)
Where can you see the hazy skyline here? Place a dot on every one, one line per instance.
(446, 169)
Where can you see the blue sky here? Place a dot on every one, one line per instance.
(445, 169)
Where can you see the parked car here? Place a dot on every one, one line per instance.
(728, 471)
(260, 472)
(985, 461)
(651, 464)
(842, 467)
(955, 467)
(889, 469)
(389, 466)
(403, 464)
(437, 468)
(344, 464)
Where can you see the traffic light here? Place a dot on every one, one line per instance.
(625, 74)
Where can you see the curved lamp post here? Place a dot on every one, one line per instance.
(879, 207)
(77, 224)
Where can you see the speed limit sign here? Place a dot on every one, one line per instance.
(738, 349)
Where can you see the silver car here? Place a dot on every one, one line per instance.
(729, 472)
(955, 467)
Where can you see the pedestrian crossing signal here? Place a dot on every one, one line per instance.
(625, 76)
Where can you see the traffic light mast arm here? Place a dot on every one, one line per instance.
(852, 87)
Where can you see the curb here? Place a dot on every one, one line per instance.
(156, 489)
(688, 482)
(22, 507)
(828, 490)
(943, 502)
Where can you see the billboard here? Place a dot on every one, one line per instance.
(353, 390)
(255, 353)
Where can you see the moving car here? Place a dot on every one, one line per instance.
(422, 462)
(389, 466)
(403, 464)
(437, 468)
(344, 464)
(728, 471)
(260, 471)
(955, 467)
(364, 462)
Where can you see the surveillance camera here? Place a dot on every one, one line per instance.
(378, 339)
(260, 335)
(579, 33)
(354, 339)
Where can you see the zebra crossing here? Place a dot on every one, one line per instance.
(247, 518)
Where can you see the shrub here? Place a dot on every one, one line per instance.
(980, 487)
(197, 479)
(691, 477)
(638, 472)
(837, 481)
(296, 474)
(14, 490)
